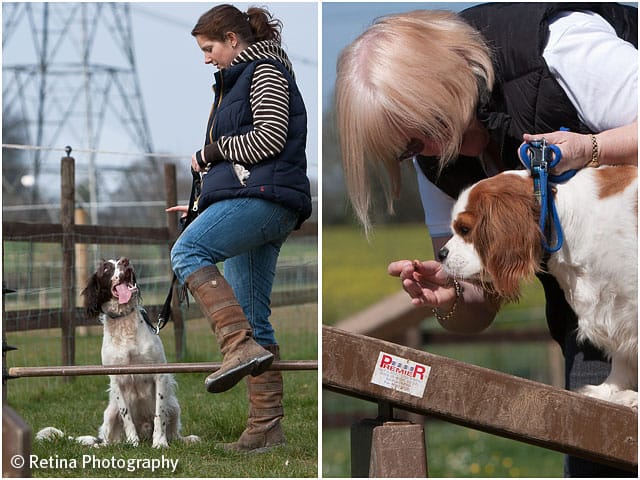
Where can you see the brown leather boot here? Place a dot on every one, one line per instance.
(241, 354)
(264, 430)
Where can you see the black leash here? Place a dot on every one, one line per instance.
(192, 213)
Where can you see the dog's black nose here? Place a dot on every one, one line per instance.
(442, 253)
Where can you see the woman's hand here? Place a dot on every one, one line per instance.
(617, 146)
(576, 149)
(178, 208)
(194, 163)
(425, 282)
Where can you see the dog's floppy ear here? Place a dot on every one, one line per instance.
(509, 237)
(98, 289)
(91, 296)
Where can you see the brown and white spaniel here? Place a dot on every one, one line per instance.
(141, 406)
(497, 243)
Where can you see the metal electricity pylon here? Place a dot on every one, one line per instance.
(70, 78)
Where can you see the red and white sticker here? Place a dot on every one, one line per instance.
(400, 374)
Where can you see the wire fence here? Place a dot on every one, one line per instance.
(35, 268)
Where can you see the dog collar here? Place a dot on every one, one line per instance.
(145, 316)
(118, 315)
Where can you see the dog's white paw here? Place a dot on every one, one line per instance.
(160, 443)
(89, 440)
(608, 393)
(628, 398)
(49, 433)
(602, 391)
(191, 439)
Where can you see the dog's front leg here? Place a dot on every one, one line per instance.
(618, 385)
(127, 421)
(161, 419)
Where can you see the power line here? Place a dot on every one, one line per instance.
(90, 150)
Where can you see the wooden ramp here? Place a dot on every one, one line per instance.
(386, 318)
(479, 398)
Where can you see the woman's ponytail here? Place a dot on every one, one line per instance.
(263, 25)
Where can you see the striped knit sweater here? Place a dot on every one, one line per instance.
(269, 99)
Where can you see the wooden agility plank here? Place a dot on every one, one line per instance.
(479, 398)
(81, 370)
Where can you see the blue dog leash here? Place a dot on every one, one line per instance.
(539, 156)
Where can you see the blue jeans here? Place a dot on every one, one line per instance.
(246, 234)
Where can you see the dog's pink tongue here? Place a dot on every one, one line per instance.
(124, 294)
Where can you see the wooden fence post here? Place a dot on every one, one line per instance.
(67, 288)
(398, 449)
(16, 444)
(385, 447)
(16, 433)
(171, 195)
(81, 265)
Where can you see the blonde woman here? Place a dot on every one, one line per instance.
(458, 94)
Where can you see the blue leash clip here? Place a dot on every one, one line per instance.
(539, 156)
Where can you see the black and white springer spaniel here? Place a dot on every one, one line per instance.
(141, 406)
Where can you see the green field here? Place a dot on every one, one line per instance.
(354, 276)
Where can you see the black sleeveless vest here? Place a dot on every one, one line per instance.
(525, 99)
(281, 179)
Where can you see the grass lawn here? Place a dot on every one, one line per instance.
(354, 277)
(76, 407)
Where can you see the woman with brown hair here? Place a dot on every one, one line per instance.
(254, 192)
(458, 94)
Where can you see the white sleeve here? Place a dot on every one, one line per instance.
(597, 69)
(437, 206)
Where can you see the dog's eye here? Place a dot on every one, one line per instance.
(461, 229)
(463, 225)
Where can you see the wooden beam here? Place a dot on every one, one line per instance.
(83, 370)
(386, 318)
(105, 234)
(492, 336)
(308, 229)
(485, 400)
(44, 318)
(98, 234)
(299, 296)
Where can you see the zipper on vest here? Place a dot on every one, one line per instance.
(214, 112)
(214, 109)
